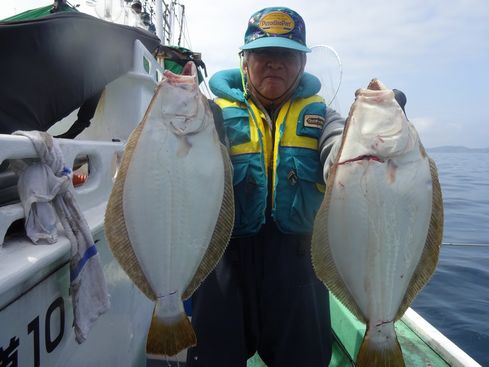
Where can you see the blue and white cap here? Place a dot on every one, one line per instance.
(276, 27)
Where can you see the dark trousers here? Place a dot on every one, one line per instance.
(263, 296)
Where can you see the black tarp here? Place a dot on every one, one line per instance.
(51, 65)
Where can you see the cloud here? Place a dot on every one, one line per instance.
(368, 35)
(423, 124)
(412, 34)
(435, 132)
(372, 38)
(436, 51)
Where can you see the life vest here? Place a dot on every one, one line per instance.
(288, 163)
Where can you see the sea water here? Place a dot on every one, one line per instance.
(456, 300)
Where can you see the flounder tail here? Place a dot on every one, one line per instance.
(169, 335)
(380, 348)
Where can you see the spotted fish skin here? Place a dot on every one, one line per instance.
(377, 234)
(171, 212)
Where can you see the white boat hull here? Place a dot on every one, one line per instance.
(40, 320)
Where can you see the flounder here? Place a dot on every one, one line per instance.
(377, 234)
(171, 210)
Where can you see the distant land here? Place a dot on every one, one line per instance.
(457, 149)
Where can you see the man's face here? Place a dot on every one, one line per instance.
(272, 71)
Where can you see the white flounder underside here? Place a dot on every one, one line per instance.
(378, 221)
(172, 202)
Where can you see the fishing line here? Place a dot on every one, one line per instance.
(461, 244)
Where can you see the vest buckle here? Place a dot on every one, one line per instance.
(292, 177)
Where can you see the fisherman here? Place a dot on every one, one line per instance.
(263, 295)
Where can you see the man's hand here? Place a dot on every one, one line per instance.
(400, 98)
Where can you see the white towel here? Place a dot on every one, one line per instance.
(37, 187)
(43, 186)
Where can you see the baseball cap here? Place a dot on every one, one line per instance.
(276, 27)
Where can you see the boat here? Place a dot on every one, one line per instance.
(36, 310)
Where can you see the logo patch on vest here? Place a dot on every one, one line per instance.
(314, 121)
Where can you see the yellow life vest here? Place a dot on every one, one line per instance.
(287, 161)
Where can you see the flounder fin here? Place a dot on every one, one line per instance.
(167, 339)
(222, 231)
(114, 223)
(372, 354)
(429, 258)
(322, 258)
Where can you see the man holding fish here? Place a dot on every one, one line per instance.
(264, 296)
(283, 140)
(371, 233)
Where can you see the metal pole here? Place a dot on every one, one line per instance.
(181, 24)
(171, 21)
(159, 21)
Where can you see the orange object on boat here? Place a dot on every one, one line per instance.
(79, 179)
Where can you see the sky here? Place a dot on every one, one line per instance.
(435, 51)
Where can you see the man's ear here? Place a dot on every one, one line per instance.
(244, 62)
(245, 66)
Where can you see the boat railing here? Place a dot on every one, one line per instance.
(102, 158)
(448, 350)
(422, 343)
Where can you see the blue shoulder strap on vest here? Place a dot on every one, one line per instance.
(308, 86)
(227, 84)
